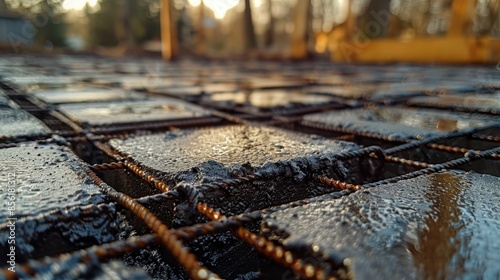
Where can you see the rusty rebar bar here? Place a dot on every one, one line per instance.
(165, 235)
(271, 250)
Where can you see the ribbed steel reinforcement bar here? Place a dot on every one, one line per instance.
(276, 252)
(101, 253)
(159, 125)
(351, 131)
(165, 235)
(419, 143)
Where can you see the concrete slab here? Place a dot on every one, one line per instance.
(285, 159)
(184, 92)
(370, 91)
(179, 151)
(268, 83)
(46, 177)
(140, 82)
(398, 122)
(42, 81)
(108, 113)
(85, 94)
(16, 122)
(192, 92)
(4, 100)
(39, 180)
(212, 155)
(440, 226)
(267, 99)
(475, 102)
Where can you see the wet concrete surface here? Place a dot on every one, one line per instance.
(184, 92)
(399, 123)
(179, 151)
(193, 92)
(267, 99)
(67, 269)
(47, 179)
(16, 122)
(203, 156)
(4, 100)
(478, 102)
(41, 81)
(440, 226)
(84, 94)
(140, 82)
(107, 113)
(374, 92)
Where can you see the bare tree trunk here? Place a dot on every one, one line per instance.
(269, 39)
(494, 15)
(200, 30)
(375, 20)
(248, 26)
(129, 34)
(3, 7)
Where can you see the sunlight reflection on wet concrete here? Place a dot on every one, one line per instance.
(440, 226)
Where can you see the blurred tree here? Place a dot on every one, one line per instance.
(269, 35)
(374, 21)
(200, 30)
(144, 20)
(103, 24)
(249, 32)
(123, 21)
(4, 9)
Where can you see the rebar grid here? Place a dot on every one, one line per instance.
(273, 251)
(164, 234)
(486, 137)
(348, 131)
(173, 239)
(491, 111)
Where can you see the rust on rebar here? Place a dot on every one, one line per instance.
(337, 183)
(460, 150)
(229, 117)
(66, 121)
(108, 166)
(158, 183)
(352, 131)
(347, 137)
(231, 182)
(102, 253)
(224, 224)
(486, 137)
(105, 148)
(451, 135)
(271, 250)
(165, 235)
(447, 148)
(408, 162)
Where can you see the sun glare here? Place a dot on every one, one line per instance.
(77, 4)
(219, 7)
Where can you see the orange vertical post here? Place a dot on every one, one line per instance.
(461, 17)
(168, 34)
